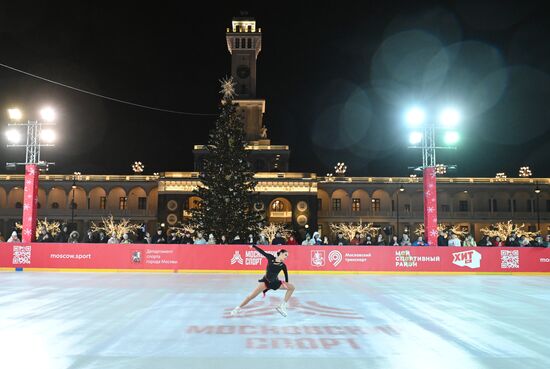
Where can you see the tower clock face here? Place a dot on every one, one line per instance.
(243, 71)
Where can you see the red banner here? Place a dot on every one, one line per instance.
(30, 202)
(430, 206)
(301, 258)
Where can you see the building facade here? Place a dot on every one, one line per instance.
(302, 200)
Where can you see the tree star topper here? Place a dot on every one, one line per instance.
(228, 88)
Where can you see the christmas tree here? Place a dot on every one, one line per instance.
(227, 182)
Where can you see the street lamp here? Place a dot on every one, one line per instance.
(537, 191)
(423, 137)
(401, 189)
(38, 135)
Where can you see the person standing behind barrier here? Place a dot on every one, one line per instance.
(14, 237)
(200, 239)
(159, 237)
(316, 240)
(394, 241)
(279, 239)
(454, 241)
(307, 240)
(356, 240)
(113, 239)
(211, 240)
(2, 239)
(63, 236)
(442, 239)
(291, 240)
(126, 238)
(74, 237)
(405, 240)
(380, 241)
(469, 241)
(498, 242)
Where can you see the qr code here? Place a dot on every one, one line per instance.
(21, 254)
(509, 259)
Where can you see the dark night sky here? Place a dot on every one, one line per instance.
(337, 78)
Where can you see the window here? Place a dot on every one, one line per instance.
(393, 205)
(495, 206)
(249, 44)
(243, 42)
(463, 205)
(142, 203)
(511, 205)
(319, 204)
(375, 205)
(336, 204)
(547, 205)
(103, 202)
(249, 28)
(407, 208)
(529, 205)
(237, 43)
(122, 201)
(445, 208)
(355, 204)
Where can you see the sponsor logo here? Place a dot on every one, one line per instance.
(545, 260)
(404, 258)
(318, 258)
(335, 257)
(470, 259)
(237, 258)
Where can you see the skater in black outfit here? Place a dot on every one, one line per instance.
(270, 280)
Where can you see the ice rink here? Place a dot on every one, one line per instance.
(164, 321)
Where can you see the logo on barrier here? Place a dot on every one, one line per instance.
(237, 258)
(318, 258)
(22, 254)
(470, 259)
(136, 256)
(335, 257)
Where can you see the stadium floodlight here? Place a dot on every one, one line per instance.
(451, 137)
(48, 114)
(449, 117)
(15, 114)
(415, 138)
(415, 116)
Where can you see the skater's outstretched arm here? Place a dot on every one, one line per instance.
(268, 256)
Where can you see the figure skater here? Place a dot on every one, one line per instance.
(270, 280)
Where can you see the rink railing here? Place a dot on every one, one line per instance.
(242, 258)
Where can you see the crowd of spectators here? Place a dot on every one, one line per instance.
(161, 236)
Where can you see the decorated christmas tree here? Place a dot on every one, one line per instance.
(227, 181)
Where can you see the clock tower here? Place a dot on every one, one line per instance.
(244, 42)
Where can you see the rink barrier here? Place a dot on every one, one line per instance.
(242, 259)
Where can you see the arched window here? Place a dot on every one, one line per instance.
(278, 206)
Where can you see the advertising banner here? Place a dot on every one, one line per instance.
(301, 258)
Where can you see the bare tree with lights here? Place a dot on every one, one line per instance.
(503, 230)
(109, 225)
(349, 230)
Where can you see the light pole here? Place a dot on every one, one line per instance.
(537, 191)
(37, 137)
(425, 139)
(401, 189)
